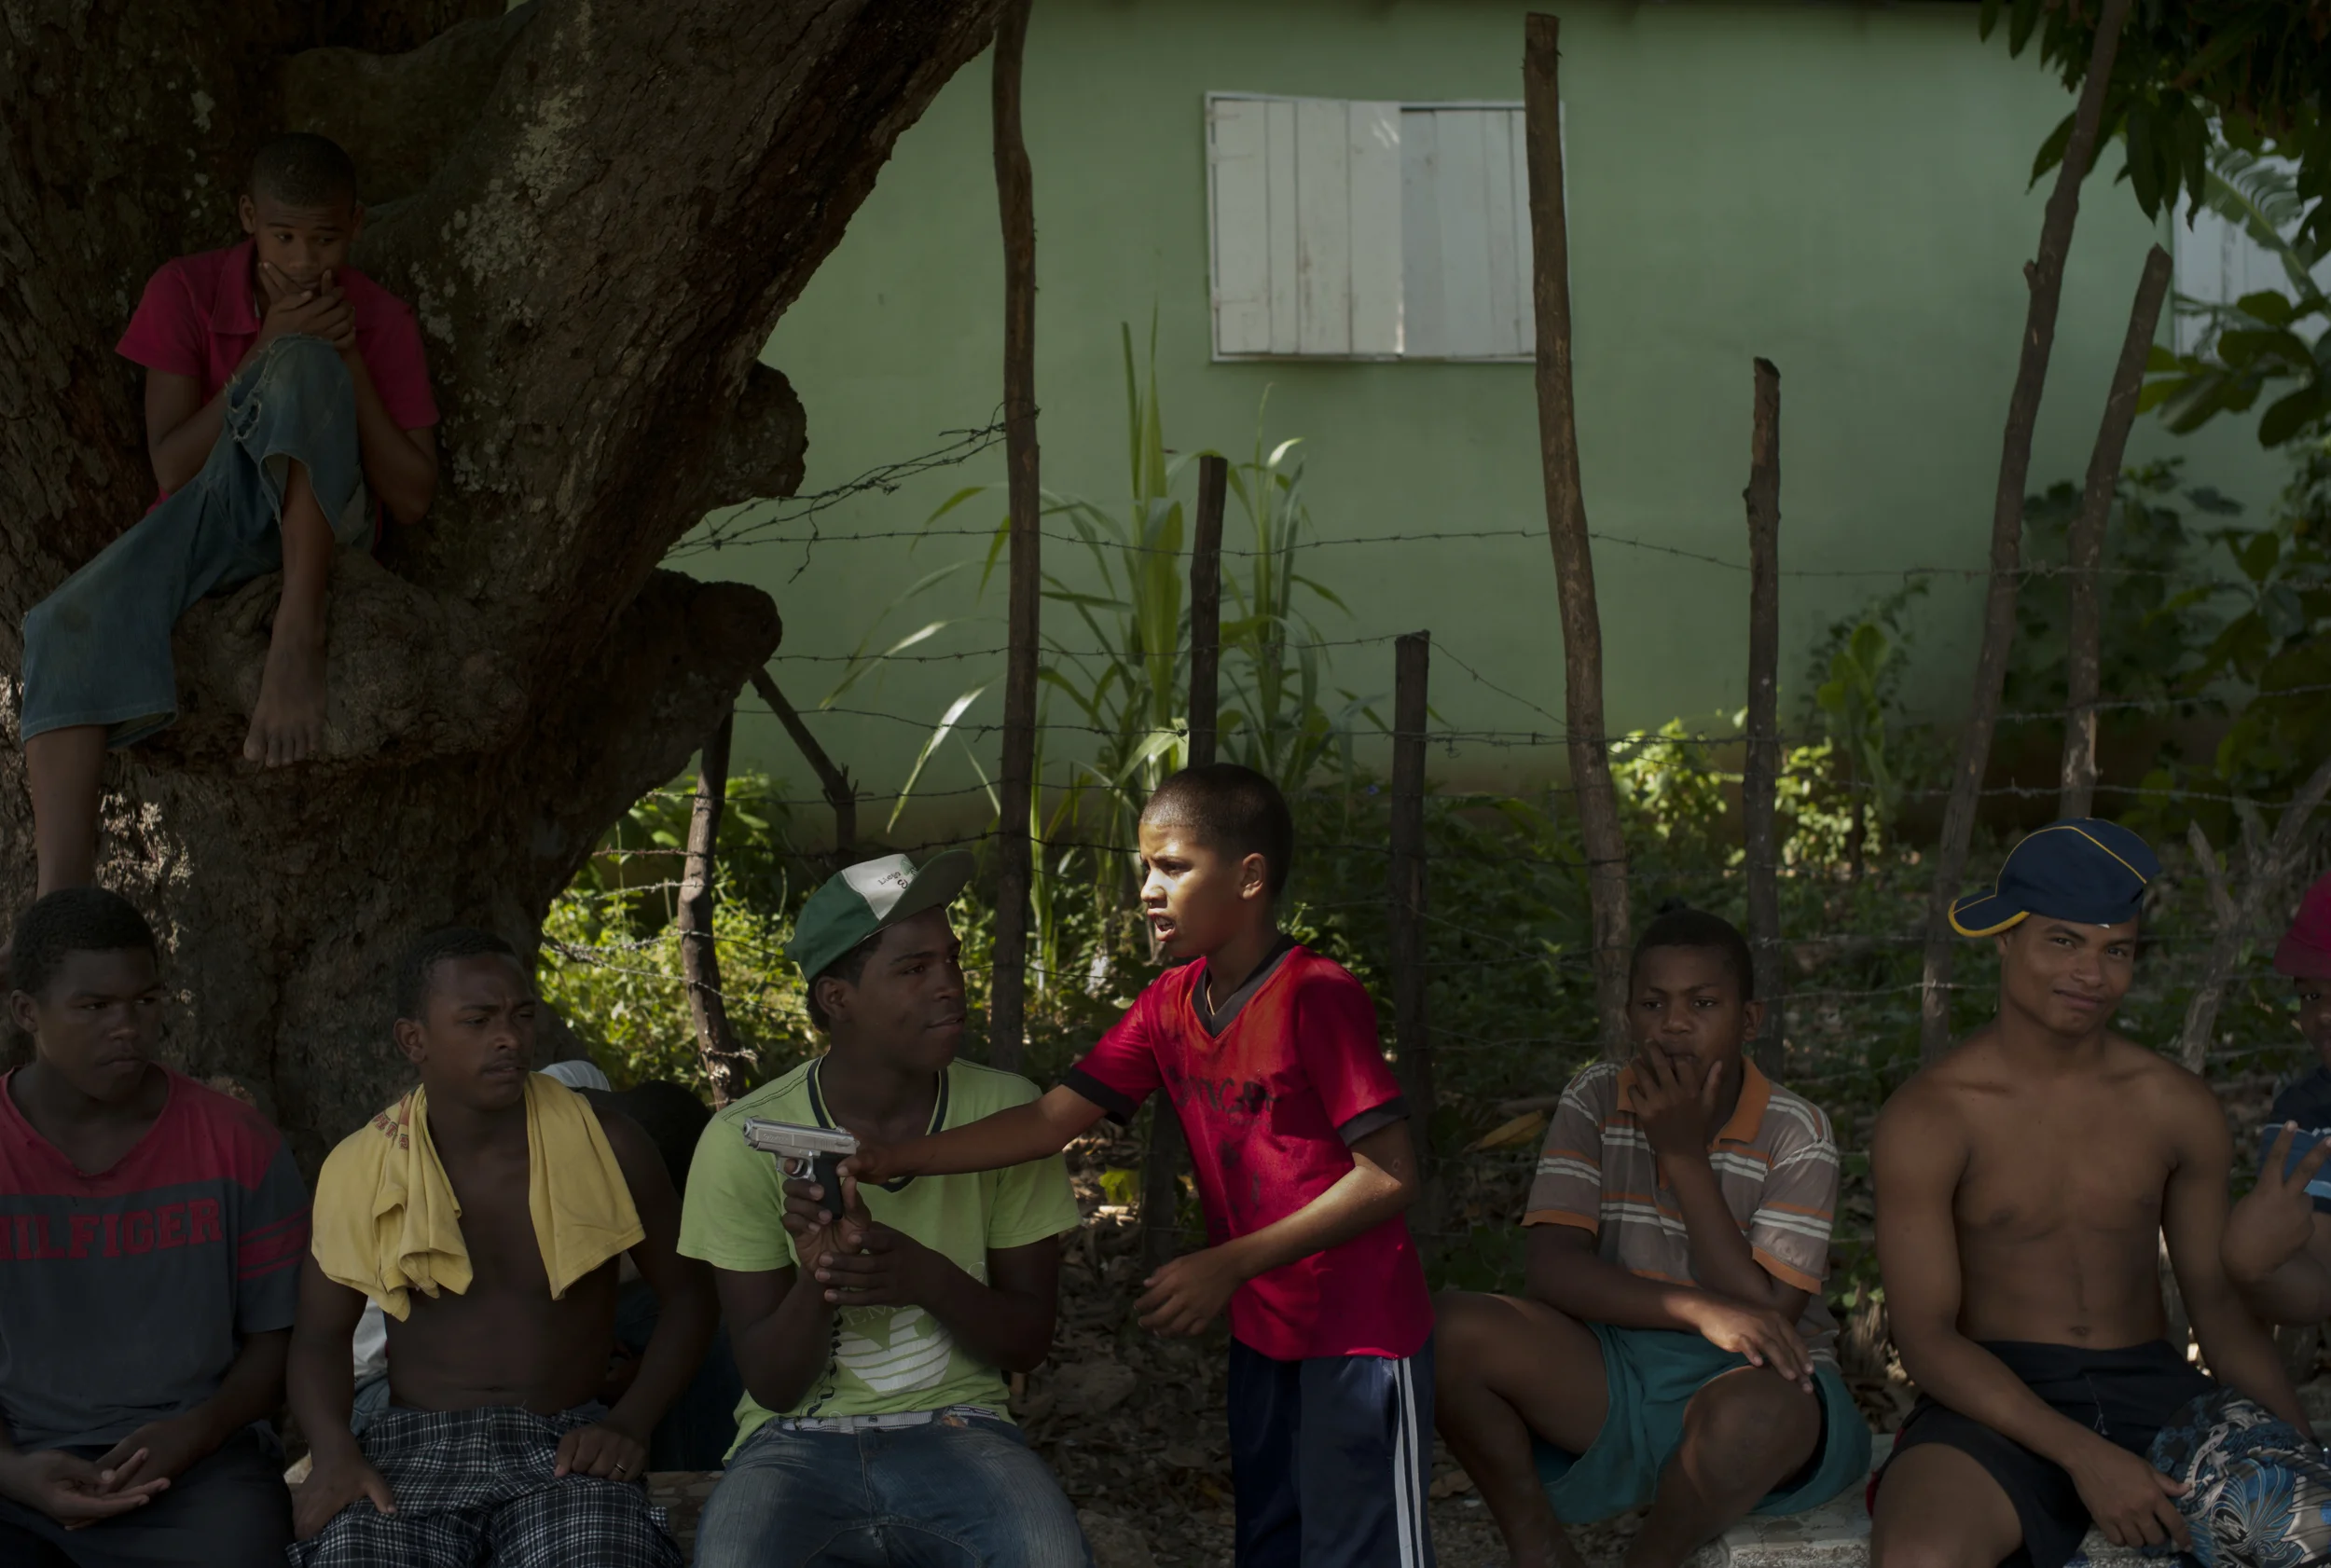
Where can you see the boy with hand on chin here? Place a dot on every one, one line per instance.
(1300, 1143)
(1672, 1346)
(286, 396)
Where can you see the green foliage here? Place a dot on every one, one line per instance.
(2254, 68)
(2262, 341)
(2157, 616)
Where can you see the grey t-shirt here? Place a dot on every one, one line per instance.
(125, 1295)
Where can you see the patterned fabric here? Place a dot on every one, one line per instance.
(476, 1486)
(1775, 1161)
(2258, 1489)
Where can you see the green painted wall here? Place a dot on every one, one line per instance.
(1840, 188)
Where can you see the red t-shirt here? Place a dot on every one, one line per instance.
(200, 317)
(1268, 1104)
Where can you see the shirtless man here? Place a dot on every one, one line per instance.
(2024, 1183)
(505, 1203)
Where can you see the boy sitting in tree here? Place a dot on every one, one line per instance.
(150, 1237)
(1300, 1142)
(874, 1348)
(285, 395)
(486, 1212)
(1673, 1347)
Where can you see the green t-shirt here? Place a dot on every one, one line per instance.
(889, 1358)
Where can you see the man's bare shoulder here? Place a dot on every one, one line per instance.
(635, 1151)
(1932, 1107)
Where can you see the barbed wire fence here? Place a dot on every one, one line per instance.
(1431, 949)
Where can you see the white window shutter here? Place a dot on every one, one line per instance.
(1239, 183)
(1279, 156)
(1352, 228)
(1323, 228)
(1423, 320)
(1374, 143)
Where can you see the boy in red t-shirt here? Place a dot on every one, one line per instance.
(1300, 1142)
(286, 396)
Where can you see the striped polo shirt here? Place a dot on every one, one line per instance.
(1775, 1162)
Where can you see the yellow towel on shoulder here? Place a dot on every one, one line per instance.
(387, 1223)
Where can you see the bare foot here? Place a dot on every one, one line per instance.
(287, 725)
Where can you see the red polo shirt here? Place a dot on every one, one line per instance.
(200, 318)
(1268, 1103)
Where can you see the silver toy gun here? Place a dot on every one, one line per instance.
(815, 1152)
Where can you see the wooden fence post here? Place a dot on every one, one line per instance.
(2084, 548)
(1007, 998)
(1161, 1168)
(2045, 276)
(1761, 778)
(1599, 831)
(1411, 1032)
(726, 1063)
(833, 782)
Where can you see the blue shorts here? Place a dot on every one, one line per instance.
(1330, 1459)
(1652, 1375)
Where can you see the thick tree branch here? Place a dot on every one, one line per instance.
(400, 116)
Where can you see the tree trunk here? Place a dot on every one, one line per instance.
(599, 214)
(2084, 549)
(1599, 831)
(2045, 276)
(1015, 201)
(1761, 778)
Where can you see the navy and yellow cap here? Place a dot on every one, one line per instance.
(2082, 869)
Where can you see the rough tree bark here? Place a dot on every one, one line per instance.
(1015, 202)
(1760, 777)
(601, 210)
(2084, 548)
(2045, 276)
(1599, 831)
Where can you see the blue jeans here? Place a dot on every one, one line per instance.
(97, 651)
(961, 1492)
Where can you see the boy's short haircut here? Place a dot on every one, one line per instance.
(1236, 810)
(74, 920)
(419, 963)
(303, 170)
(849, 969)
(1681, 926)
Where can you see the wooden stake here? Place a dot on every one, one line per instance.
(2084, 549)
(726, 1063)
(2045, 276)
(831, 780)
(1760, 788)
(1604, 844)
(2270, 865)
(1412, 1034)
(1205, 609)
(1016, 198)
(1161, 1166)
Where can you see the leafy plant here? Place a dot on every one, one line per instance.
(2266, 340)
(1857, 685)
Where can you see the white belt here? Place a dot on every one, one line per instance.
(892, 1421)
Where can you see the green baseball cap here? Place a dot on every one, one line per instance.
(860, 899)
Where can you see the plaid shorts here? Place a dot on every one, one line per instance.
(476, 1486)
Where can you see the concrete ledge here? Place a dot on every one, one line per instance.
(1837, 1536)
